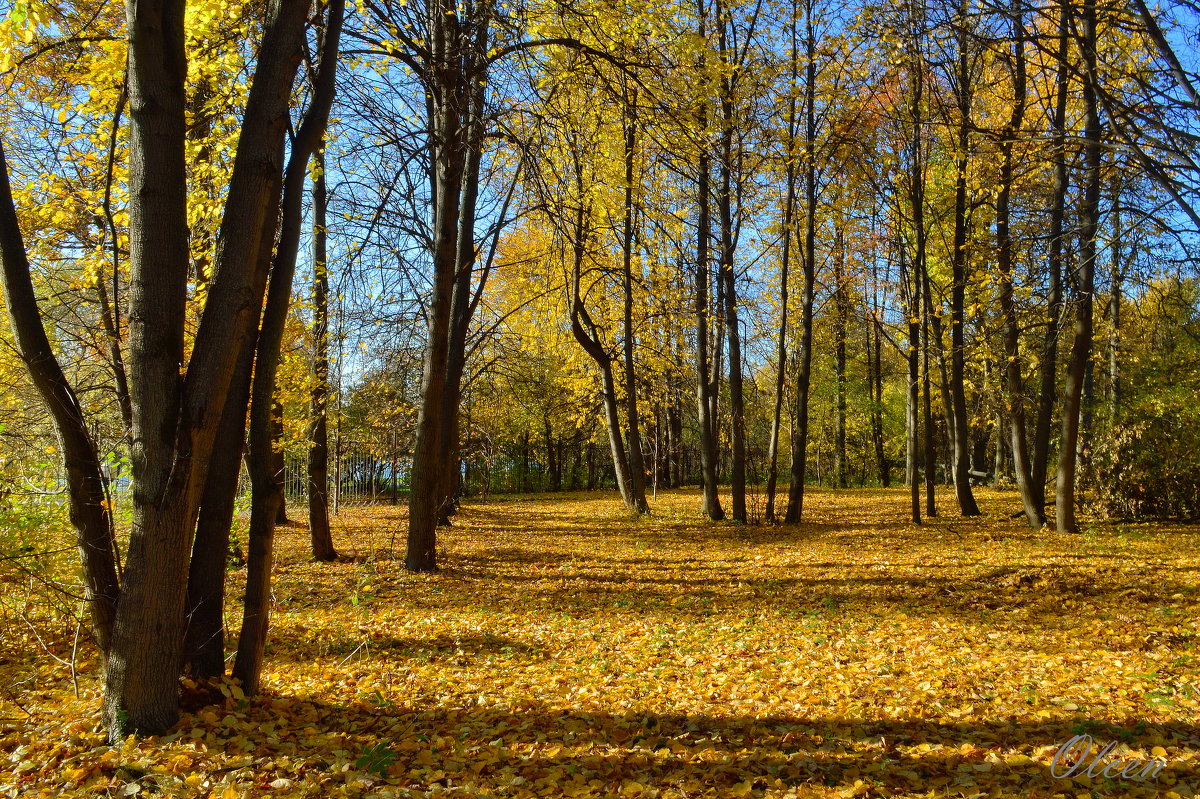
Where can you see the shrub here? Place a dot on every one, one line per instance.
(1148, 462)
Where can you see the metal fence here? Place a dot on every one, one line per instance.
(358, 476)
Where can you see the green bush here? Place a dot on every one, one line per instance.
(1148, 462)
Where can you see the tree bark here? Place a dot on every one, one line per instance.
(637, 466)
(266, 480)
(789, 204)
(1048, 363)
(454, 74)
(728, 274)
(318, 455)
(204, 642)
(140, 691)
(873, 345)
(799, 463)
(465, 296)
(840, 323)
(1116, 276)
(1015, 384)
(918, 322)
(927, 405)
(705, 389)
(1081, 347)
(959, 266)
(912, 407)
(278, 460)
(175, 422)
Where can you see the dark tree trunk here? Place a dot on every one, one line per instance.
(584, 329)
(204, 644)
(918, 359)
(553, 472)
(87, 490)
(959, 266)
(465, 297)
(141, 680)
(448, 89)
(454, 71)
(1048, 364)
(1014, 382)
(266, 476)
(637, 466)
(278, 463)
(881, 459)
(799, 463)
(591, 466)
(1116, 278)
(175, 422)
(789, 206)
(789, 203)
(318, 454)
(678, 452)
(872, 342)
(1081, 348)
(840, 322)
(612, 413)
(912, 407)
(728, 205)
(705, 387)
(927, 395)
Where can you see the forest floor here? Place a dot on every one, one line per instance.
(568, 650)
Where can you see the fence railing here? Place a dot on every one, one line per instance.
(358, 476)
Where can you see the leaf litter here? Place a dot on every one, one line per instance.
(567, 649)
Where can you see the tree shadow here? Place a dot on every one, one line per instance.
(488, 747)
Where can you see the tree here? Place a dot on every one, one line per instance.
(174, 417)
(1085, 276)
(1014, 380)
(265, 476)
(799, 465)
(318, 454)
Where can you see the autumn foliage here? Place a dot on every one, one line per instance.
(569, 650)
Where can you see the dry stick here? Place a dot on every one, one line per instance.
(75, 649)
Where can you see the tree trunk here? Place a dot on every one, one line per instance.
(465, 298)
(637, 466)
(872, 344)
(728, 278)
(1081, 348)
(278, 461)
(1048, 363)
(87, 490)
(448, 88)
(584, 329)
(705, 388)
(919, 321)
(204, 643)
(1015, 384)
(840, 323)
(789, 203)
(799, 463)
(1116, 277)
(175, 422)
(265, 478)
(912, 407)
(927, 414)
(318, 453)
(959, 266)
(552, 459)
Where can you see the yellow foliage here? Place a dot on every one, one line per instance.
(569, 650)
